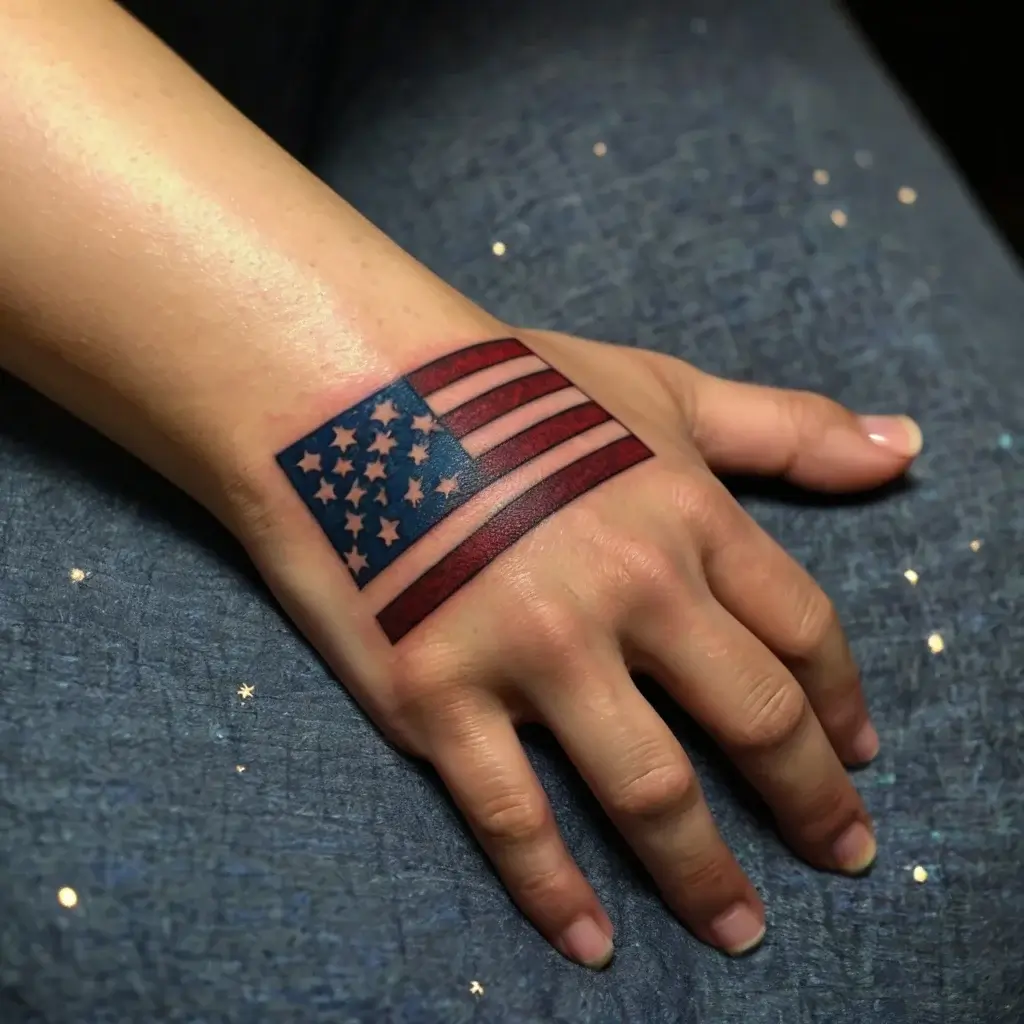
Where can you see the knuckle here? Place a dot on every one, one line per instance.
(544, 888)
(513, 817)
(706, 875)
(807, 412)
(775, 712)
(815, 621)
(427, 682)
(658, 791)
(702, 501)
(553, 627)
(695, 497)
(416, 682)
(650, 567)
(828, 810)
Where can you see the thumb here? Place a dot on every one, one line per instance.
(806, 438)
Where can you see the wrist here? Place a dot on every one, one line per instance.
(190, 290)
(314, 372)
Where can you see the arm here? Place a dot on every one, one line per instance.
(172, 277)
(160, 253)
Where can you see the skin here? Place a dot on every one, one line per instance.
(173, 278)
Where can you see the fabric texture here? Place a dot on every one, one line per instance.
(332, 880)
(277, 62)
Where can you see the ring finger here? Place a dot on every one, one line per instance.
(757, 712)
(646, 784)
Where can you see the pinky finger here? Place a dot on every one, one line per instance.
(486, 770)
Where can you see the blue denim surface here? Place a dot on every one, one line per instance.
(332, 880)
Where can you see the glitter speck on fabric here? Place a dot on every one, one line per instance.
(1005, 442)
(821, 177)
(67, 897)
(936, 644)
(498, 248)
(907, 196)
(920, 874)
(912, 577)
(476, 988)
(77, 575)
(975, 545)
(600, 149)
(245, 691)
(839, 218)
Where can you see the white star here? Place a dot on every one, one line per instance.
(448, 486)
(343, 438)
(356, 562)
(309, 463)
(376, 471)
(388, 531)
(353, 523)
(414, 495)
(356, 494)
(342, 467)
(326, 492)
(384, 412)
(419, 454)
(383, 443)
(424, 424)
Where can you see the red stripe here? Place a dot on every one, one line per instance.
(456, 365)
(539, 438)
(502, 399)
(501, 531)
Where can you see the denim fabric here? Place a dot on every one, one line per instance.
(332, 880)
(274, 61)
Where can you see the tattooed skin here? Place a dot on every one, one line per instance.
(423, 483)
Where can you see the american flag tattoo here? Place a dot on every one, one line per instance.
(421, 485)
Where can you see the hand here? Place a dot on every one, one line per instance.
(656, 569)
(212, 324)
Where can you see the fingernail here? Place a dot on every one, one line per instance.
(865, 744)
(585, 942)
(900, 434)
(738, 930)
(855, 849)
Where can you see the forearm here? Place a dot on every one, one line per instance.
(159, 253)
